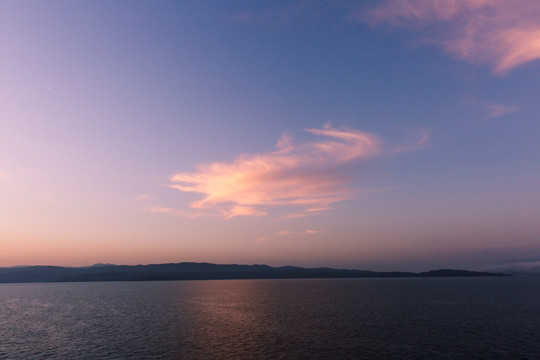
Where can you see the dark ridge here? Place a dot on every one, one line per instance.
(455, 273)
(202, 271)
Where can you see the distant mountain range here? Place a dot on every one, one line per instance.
(200, 271)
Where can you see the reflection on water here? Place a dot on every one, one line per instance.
(273, 319)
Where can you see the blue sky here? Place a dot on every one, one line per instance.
(139, 132)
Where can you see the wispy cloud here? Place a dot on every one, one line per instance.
(157, 209)
(288, 233)
(27, 181)
(162, 210)
(423, 140)
(503, 34)
(307, 176)
(142, 197)
(8, 169)
(519, 267)
(491, 109)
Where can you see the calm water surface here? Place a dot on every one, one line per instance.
(445, 318)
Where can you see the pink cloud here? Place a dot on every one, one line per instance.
(142, 197)
(308, 176)
(288, 233)
(158, 209)
(493, 110)
(503, 34)
(423, 140)
(161, 210)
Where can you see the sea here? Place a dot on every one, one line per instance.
(405, 318)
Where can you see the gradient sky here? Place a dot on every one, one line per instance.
(383, 135)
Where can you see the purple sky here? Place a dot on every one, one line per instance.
(384, 135)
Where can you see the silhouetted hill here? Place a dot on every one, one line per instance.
(200, 271)
(454, 273)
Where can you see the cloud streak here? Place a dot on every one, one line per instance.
(288, 233)
(519, 267)
(503, 34)
(493, 110)
(142, 197)
(308, 176)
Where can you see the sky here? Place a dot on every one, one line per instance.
(380, 135)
